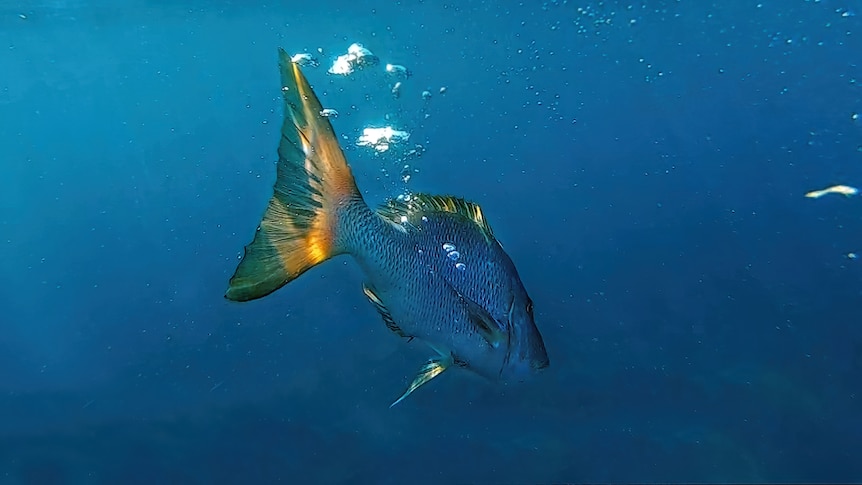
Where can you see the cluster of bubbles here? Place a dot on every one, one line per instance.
(381, 138)
(453, 254)
(386, 139)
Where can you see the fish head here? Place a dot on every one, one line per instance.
(492, 303)
(503, 313)
(525, 353)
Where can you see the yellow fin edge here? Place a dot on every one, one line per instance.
(432, 369)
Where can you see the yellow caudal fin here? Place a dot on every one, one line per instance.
(299, 226)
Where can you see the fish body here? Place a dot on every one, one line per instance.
(434, 270)
(844, 190)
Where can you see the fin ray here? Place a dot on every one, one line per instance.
(395, 211)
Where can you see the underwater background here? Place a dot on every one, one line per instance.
(644, 163)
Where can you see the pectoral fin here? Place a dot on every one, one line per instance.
(428, 371)
(485, 324)
(488, 327)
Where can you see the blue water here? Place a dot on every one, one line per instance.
(643, 162)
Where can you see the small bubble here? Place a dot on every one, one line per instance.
(461, 266)
(454, 255)
(448, 247)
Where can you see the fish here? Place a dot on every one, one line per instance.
(433, 269)
(844, 190)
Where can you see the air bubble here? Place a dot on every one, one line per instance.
(448, 247)
(454, 255)
(461, 266)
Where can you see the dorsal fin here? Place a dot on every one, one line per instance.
(410, 211)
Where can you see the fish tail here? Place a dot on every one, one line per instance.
(314, 185)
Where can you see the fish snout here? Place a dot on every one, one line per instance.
(527, 354)
(525, 362)
(522, 371)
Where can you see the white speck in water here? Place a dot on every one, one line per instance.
(461, 266)
(454, 255)
(448, 247)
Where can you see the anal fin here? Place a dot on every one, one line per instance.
(384, 312)
(428, 371)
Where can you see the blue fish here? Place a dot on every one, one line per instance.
(434, 270)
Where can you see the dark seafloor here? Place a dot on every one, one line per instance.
(644, 163)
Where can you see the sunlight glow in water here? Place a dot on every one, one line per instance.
(381, 139)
